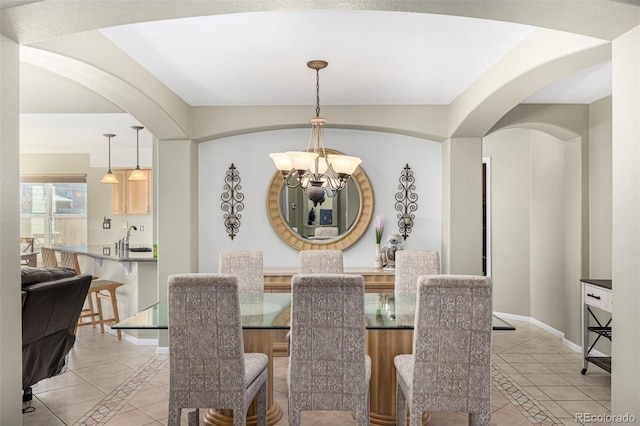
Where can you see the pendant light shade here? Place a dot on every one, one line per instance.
(109, 177)
(137, 174)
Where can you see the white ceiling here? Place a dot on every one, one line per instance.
(260, 59)
(374, 57)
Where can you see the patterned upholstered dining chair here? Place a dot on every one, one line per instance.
(410, 264)
(450, 368)
(328, 367)
(321, 262)
(207, 363)
(247, 265)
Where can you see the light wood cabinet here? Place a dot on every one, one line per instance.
(129, 196)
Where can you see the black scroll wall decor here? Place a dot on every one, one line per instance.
(232, 199)
(406, 201)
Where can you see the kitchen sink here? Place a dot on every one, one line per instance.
(140, 249)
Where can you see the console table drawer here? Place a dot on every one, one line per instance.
(597, 297)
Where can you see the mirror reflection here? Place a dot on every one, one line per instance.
(335, 224)
(325, 222)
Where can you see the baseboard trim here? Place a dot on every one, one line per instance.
(566, 342)
(135, 340)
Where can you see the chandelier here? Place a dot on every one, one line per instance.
(313, 170)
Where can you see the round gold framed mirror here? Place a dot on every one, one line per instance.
(356, 226)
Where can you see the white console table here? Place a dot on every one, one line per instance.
(597, 294)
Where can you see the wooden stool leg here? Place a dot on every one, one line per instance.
(116, 316)
(92, 310)
(100, 316)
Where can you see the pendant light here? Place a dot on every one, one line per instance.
(137, 174)
(109, 177)
(313, 170)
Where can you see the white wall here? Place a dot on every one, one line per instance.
(510, 153)
(536, 226)
(10, 311)
(98, 197)
(547, 229)
(384, 155)
(600, 202)
(625, 253)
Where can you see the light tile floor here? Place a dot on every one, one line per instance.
(535, 380)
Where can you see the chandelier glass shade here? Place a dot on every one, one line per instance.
(313, 170)
(137, 174)
(109, 177)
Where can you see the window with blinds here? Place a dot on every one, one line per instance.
(53, 209)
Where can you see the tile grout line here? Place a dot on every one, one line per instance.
(103, 411)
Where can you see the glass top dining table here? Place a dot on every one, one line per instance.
(273, 311)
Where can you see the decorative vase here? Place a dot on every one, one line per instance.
(377, 258)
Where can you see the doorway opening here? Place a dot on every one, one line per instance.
(486, 216)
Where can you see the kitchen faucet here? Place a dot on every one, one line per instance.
(126, 238)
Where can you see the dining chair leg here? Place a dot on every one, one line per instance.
(294, 417)
(415, 417)
(483, 418)
(239, 417)
(261, 405)
(401, 406)
(174, 413)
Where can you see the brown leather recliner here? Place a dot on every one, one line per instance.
(52, 299)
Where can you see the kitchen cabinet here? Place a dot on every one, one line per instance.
(130, 196)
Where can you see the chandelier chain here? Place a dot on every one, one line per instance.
(317, 93)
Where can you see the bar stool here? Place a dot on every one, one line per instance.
(48, 257)
(102, 290)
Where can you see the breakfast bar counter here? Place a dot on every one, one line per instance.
(136, 270)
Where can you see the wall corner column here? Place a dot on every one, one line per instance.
(625, 268)
(10, 305)
(462, 206)
(176, 214)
